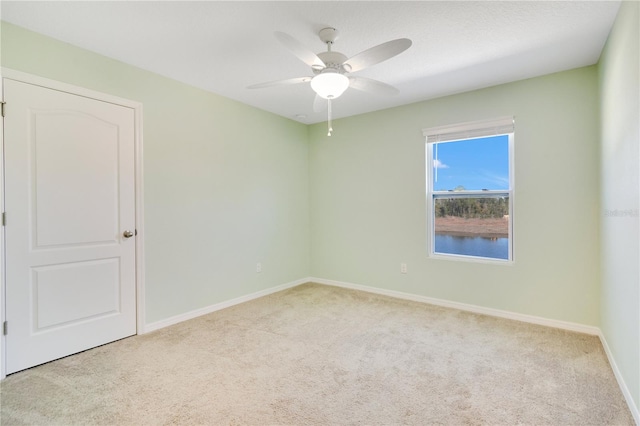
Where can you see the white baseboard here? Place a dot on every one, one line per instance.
(564, 325)
(216, 307)
(623, 386)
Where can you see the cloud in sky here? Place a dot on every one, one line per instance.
(439, 165)
(500, 180)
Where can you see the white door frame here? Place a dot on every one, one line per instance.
(139, 206)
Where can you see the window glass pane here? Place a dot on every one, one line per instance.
(471, 165)
(472, 226)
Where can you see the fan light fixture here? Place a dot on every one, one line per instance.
(330, 85)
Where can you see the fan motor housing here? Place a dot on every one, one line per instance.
(332, 60)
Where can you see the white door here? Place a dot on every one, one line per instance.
(69, 200)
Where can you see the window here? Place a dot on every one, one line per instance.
(470, 190)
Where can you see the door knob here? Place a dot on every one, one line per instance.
(127, 234)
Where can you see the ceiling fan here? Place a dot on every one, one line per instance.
(332, 70)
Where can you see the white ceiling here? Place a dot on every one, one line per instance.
(223, 47)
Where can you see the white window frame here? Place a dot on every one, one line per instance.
(459, 132)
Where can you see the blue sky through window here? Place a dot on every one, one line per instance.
(474, 164)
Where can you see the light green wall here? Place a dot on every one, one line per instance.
(368, 210)
(619, 72)
(366, 193)
(226, 185)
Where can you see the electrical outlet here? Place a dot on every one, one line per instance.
(258, 267)
(403, 268)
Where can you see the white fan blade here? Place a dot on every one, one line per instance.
(319, 104)
(298, 49)
(372, 86)
(287, 82)
(377, 54)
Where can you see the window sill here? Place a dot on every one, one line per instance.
(471, 259)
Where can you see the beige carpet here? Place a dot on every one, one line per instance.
(320, 355)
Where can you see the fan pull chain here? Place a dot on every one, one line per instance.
(329, 118)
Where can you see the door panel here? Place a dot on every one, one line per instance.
(73, 292)
(69, 196)
(74, 178)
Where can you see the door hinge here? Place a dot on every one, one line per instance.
(2, 104)
(4, 328)
(4, 218)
